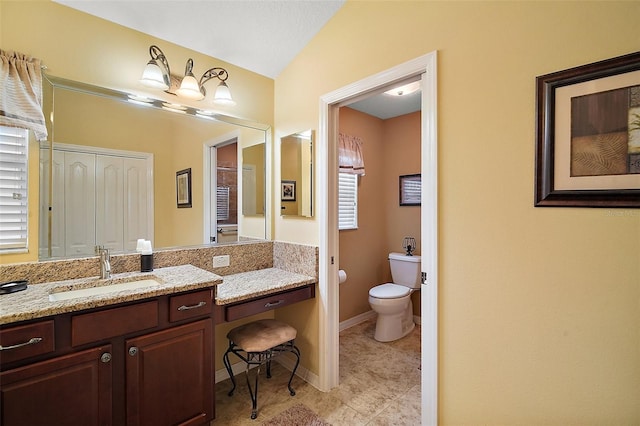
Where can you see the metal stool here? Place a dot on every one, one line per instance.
(257, 343)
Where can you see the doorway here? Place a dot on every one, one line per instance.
(221, 189)
(426, 67)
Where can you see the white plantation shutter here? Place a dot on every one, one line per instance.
(13, 188)
(347, 201)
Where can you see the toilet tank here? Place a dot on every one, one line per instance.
(405, 270)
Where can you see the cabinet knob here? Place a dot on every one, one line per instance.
(133, 350)
(106, 357)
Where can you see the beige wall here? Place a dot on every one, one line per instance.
(538, 307)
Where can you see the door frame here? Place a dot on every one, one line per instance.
(425, 66)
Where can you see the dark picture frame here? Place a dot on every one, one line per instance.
(288, 190)
(410, 190)
(183, 188)
(580, 141)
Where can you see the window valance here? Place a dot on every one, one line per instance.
(21, 93)
(350, 157)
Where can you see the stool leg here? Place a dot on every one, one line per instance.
(269, 368)
(296, 352)
(227, 364)
(253, 393)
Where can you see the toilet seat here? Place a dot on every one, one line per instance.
(389, 291)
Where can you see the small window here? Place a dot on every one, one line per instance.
(14, 216)
(347, 201)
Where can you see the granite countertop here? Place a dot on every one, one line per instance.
(247, 285)
(34, 302)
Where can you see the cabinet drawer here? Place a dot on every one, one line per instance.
(266, 303)
(25, 341)
(191, 305)
(100, 325)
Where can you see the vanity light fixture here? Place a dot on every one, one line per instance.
(157, 74)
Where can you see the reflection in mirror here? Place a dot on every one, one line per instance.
(253, 180)
(296, 172)
(111, 175)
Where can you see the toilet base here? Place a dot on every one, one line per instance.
(390, 327)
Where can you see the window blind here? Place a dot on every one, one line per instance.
(222, 203)
(13, 188)
(347, 201)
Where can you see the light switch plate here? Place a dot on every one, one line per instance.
(220, 261)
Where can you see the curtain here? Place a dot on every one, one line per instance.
(350, 158)
(21, 93)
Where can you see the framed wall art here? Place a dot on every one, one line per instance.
(410, 190)
(288, 190)
(183, 188)
(588, 135)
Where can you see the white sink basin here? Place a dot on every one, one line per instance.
(102, 288)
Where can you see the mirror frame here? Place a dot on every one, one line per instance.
(85, 88)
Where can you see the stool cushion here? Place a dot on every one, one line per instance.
(258, 336)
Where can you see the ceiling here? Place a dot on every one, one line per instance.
(262, 36)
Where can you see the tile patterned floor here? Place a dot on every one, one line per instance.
(379, 385)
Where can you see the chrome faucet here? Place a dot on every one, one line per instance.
(105, 264)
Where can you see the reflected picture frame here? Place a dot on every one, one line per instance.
(587, 139)
(183, 188)
(410, 190)
(288, 190)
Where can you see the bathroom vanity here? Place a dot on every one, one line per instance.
(139, 355)
(129, 359)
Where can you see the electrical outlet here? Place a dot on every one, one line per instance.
(220, 261)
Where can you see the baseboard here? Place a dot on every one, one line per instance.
(356, 320)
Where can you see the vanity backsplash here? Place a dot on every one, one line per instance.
(244, 257)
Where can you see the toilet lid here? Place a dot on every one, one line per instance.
(389, 291)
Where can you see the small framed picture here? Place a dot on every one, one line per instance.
(183, 188)
(288, 190)
(411, 190)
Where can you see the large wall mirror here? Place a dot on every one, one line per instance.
(112, 171)
(296, 172)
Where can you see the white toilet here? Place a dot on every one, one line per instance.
(392, 301)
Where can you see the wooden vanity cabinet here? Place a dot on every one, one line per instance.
(73, 389)
(158, 369)
(169, 376)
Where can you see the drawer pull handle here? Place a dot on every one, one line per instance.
(272, 304)
(196, 306)
(31, 341)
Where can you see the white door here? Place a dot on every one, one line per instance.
(138, 202)
(54, 210)
(79, 204)
(109, 202)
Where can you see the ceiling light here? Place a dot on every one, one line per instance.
(404, 90)
(157, 74)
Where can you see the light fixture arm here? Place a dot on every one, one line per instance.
(216, 72)
(158, 56)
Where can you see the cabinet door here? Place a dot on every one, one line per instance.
(170, 376)
(69, 390)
